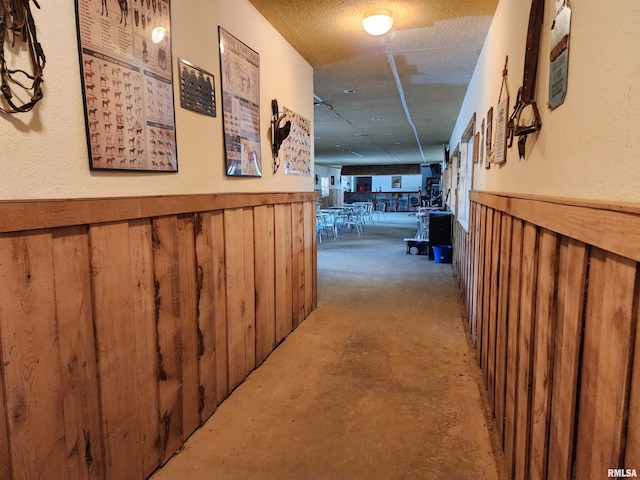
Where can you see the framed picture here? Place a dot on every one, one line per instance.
(127, 85)
(396, 181)
(197, 90)
(240, 81)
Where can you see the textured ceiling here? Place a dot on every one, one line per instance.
(409, 83)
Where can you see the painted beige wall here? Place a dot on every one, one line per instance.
(589, 147)
(44, 153)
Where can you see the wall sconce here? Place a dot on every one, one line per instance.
(158, 34)
(377, 22)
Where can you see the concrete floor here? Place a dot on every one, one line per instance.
(380, 382)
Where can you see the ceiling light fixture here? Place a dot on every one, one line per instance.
(377, 22)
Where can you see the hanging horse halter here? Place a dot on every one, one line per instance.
(525, 118)
(16, 22)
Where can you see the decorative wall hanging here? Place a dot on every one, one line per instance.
(525, 118)
(559, 71)
(502, 116)
(197, 90)
(279, 131)
(489, 140)
(16, 23)
(127, 85)
(240, 80)
(297, 146)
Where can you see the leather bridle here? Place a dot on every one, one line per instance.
(16, 22)
(518, 125)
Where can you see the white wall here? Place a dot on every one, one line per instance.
(44, 153)
(588, 147)
(410, 183)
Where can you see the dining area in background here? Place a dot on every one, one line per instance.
(344, 219)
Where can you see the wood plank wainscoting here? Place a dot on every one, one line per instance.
(124, 322)
(552, 294)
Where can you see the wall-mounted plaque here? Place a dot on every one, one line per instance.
(197, 90)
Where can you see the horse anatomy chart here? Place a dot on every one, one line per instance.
(128, 86)
(297, 146)
(240, 67)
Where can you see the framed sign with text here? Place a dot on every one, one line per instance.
(127, 84)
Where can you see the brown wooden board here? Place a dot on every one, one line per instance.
(115, 333)
(493, 306)
(236, 296)
(486, 299)
(605, 379)
(572, 274)
(284, 313)
(297, 258)
(632, 453)
(5, 460)
(249, 316)
(525, 349)
(77, 353)
(143, 300)
(220, 305)
(309, 259)
(513, 335)
(169, 331)
(265, 282)
(501, 323)
(31, 361)
(189, 324)
(544, 332)
(205, 290)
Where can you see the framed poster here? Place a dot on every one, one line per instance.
(127, 85)
(297, 146)
(502, 117)
(240, 81)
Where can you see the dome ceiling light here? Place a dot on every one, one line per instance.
(377, 22)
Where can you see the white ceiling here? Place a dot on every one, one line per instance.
(409, 83)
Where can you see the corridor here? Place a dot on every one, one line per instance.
(380, 382)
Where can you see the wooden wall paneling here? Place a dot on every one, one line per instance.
(605, 378)
(513, 335)
(476, 285)
(284, 313)
(115, 333)
(236, 295)
(188, 324)
(265, 281)
(248, 255)
(525, 349)
(297, 258)
(572, 274)
(502, 324)
(205, 311)
(220, 305)
(493, 306)
(544, 332)
(31, 357)
(314, 254)
(72, 282)
(168, 306)
(632, 451)
(309, 259)
(5, 459)
(480, 287)
(486, 299)
(146, 360)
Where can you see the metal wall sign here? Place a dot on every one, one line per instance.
(197, 91)
(559, 71)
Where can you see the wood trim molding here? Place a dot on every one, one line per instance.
(612, 227)
(16, 216)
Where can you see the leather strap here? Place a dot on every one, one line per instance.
(519, 126)
(534, 31)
